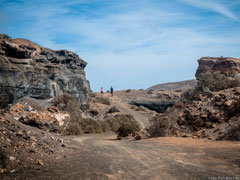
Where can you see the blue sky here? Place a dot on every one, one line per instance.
(129, 44)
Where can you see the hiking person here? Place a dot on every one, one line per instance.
(101, 90)
(111, 89)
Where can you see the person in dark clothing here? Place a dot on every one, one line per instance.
(111, 89)
(101, 90)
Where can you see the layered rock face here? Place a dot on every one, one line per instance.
(226, 65)
(27, 69)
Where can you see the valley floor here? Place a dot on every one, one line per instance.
(93, 157)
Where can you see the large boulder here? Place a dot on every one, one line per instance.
(226, 65)
(27, 69)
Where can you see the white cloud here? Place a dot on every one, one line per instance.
(211, 5)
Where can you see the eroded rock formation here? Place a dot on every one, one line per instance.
(27, 69)
(226, 65)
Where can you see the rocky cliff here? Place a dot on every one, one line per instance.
(27, 69)
(226, 65)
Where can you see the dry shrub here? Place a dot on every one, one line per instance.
(34, 103)
(150, 91)
(113, 109)
(105, 126)
(232, 133)
(73, 128)
(92, 95)
(66, 102)
(128, 90)
(90, 125)
(215, 82)
(158, 126)
(164, 124)
(123, 125)
(103, 100)
(77, 125)
(210, 82)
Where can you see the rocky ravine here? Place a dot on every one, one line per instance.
(27, 69)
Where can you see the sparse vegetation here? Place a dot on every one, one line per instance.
(92, 95)
(77, 125)
(208, 82)
(113, 109)
(33, 103)
(128, 90)
(158, 126)
(123, 125)
(150, 91)
(103, 100)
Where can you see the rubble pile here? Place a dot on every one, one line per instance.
(214, 116)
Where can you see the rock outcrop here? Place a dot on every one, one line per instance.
(226, 65)
(157, 105)
(27, 69)
(216, 115)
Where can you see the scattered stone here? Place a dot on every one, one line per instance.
(11, 158)
(138, 137)
(32, 149)
(3, 170)
(12, 171)
(40, 163)
(20, 133)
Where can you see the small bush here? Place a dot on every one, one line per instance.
(92, 95)
(105, 126)
(128, 90)
(73, 128)
(77, 125)
(90, 125)
(113, 109)
(150, 91)
(190, 95)
(158, 126)
(128, 127)
(231, 133)
(36, 104)
(215, 82)
(123, 125)
(66, 102)
(103, 100)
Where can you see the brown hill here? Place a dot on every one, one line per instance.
(174, 86)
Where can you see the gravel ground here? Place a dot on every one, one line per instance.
(93, 157)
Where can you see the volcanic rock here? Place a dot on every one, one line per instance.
(27, 69)
(226, 65)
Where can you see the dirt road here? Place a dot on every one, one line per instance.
(124, 108)
(100, 157)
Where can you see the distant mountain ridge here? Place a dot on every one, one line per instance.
(174, 86)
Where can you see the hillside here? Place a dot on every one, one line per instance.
(175, 86)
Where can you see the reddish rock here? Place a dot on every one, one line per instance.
(226, 65)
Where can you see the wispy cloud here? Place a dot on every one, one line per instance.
(211, 5)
